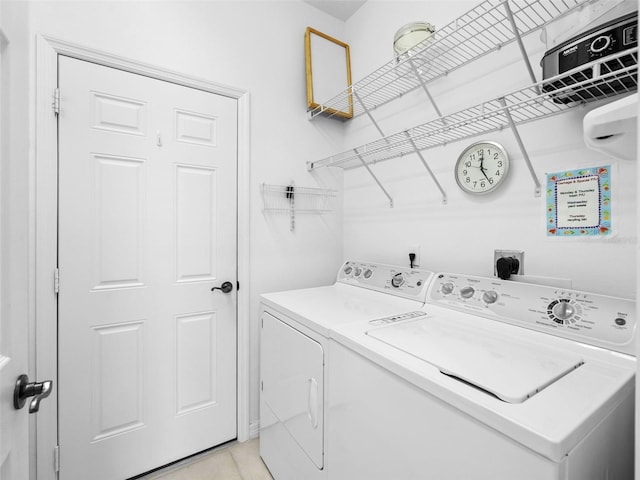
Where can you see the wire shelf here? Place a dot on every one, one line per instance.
(283, 198)
(605, 78)
(482, 30)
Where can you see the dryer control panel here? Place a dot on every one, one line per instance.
(399, 281)
(600, 320)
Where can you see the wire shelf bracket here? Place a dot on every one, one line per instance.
(523, 150)
(384, 190)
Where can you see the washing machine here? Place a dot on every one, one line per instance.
(496, 380)
(294, 357)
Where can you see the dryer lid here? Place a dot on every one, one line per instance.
(513, 368)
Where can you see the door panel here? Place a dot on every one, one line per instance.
(147, 226)
(292, 374)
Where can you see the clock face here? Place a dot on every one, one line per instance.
(482, 167)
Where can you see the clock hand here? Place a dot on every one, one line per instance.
(482, 169)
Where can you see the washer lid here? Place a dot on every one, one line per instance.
(509, 367)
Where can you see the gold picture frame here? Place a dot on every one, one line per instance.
(328, 65)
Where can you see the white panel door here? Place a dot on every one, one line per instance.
(147, 227)
(14, 424)
(14, 437)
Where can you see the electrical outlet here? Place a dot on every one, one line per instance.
(415, 249)
(517, 254)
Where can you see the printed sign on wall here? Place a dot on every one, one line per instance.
(579, 202)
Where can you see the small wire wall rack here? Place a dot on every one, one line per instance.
(292, 200)
(482, 30)
(608, 77)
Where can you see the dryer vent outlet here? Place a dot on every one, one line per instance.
(507, 263)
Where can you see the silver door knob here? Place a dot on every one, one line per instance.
(24, 390)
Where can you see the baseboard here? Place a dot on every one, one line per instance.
(254, 429)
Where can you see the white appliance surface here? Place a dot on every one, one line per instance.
(353, 297)
(294, 353)
(324, 308)
(508, 366)
(470, 347)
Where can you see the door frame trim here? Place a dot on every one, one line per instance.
(44, 236)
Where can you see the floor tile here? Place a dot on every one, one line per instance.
(215, 466)
(238, 461)
(248, 461)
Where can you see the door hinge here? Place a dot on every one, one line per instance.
(56, 458)
(56, 280)
(56, 101)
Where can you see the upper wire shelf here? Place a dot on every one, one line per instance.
(484, 29)
(604, 78)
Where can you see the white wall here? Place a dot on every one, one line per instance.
(462, 235)
(253, 45)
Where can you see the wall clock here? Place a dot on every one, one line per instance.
(482, 167)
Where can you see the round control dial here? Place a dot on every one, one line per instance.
(564, 311)
(490, 296)
(447, 288)
(467, 292)
(348, 269)
(367, 273)
(398, 280)
(600, 43)
(358, 271)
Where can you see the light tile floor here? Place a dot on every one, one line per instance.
(238, 461)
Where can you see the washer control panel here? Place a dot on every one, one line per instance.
(599, 320)
(400, 281)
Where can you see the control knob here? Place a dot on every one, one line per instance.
(397, 280)
(447, 288)
(490, 296)
(563, 310)
(600, 43)
(467, 292)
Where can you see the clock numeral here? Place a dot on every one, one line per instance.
(467, 164)
(498, 172)
(499, 163)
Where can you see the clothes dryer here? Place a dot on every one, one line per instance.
(294, 356)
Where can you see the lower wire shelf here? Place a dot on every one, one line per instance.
(292, 200)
